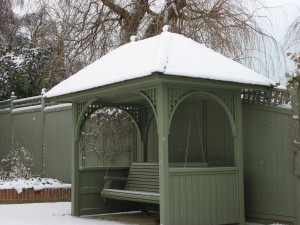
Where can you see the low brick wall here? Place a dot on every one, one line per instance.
(11, 196)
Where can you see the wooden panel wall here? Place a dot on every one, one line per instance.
(204, 197)
(189, 121)
(5, 133)
(28, 132)
(58, 144)
(269, 182)
(91, 184)
(46, 133)
(220, 150)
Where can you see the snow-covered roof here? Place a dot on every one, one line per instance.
(167, 53)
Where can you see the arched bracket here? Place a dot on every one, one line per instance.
(214, 98)
(89, 107)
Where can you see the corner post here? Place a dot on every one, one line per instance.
(12, 98)
(75, 210)
(163, 142)
(296, 119)
(238, 156)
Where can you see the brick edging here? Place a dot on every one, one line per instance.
(11, 196)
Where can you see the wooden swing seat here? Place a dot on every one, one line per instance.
(142, 184)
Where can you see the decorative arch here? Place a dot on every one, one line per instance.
(214, 98)
(85, 112)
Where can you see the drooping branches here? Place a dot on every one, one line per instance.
(92, 28)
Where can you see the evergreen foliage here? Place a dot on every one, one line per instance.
(27, 70)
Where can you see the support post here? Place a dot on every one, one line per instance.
(163, 139)
(12, 98)
(238, 157)
(296, 116)
(75, 211)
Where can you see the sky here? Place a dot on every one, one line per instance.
(281, 14)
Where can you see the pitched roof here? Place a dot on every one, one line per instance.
(167, 53)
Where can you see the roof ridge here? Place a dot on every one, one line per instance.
(162, 52)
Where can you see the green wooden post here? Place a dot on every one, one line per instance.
(163, 139)
(75, 211)
(43, 104)
(12, 98)
(238, 156)
(296, 115)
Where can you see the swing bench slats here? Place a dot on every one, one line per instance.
(142, 184)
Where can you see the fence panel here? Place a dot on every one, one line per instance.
(269, 182)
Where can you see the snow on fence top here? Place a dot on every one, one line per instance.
(31, 103)
(167, 53)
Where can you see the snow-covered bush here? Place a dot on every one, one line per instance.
(294, 77)
(16, 165)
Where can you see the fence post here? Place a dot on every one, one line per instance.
(296, 118)
(43, 105)
(12, 98)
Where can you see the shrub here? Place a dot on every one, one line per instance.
(16, 165)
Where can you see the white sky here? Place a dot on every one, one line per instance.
(282, 13)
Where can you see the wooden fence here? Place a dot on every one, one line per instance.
(44, 128)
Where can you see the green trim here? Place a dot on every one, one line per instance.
(178, 171)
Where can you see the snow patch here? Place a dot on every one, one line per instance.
(36, 183)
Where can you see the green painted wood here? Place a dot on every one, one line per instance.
(204, 197)
(75, 195)
(58, 144)
(91, 184)
(163, 146)
(142, 185)
(28, 132)
(239, 159)
(5, 131)
(269, 183)
(152, 142)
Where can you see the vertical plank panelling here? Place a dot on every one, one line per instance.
(195, 197)
(152, 141)
(213, 199)
(176, 198)
(5, 131)
(182, 201)
(219, 210)
(225, 199)
(187, 124)
(189, 199)
(201, 201)
(269, 183)
(206, 197)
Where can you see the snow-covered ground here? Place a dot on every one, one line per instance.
(48, 214)
(45, 214)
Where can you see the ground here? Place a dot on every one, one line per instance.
(60, 213)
